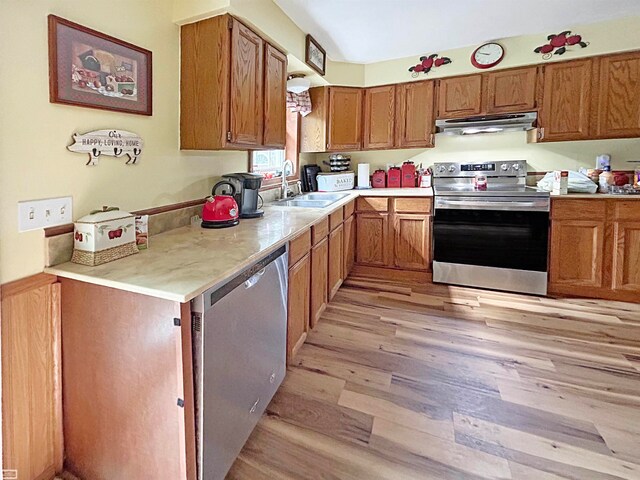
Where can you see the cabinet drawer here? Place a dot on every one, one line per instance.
(577, 209)
(319, 231)
(372, 204)
(335, 219)
(349, 209)
(412, 205)
(625, 209)
(299, 246)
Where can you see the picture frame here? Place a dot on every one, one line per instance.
(91, 69)
(315, 56)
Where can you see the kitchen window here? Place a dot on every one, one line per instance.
(269, 163)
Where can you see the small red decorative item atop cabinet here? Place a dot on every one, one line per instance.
(408, 174)
(394, 176)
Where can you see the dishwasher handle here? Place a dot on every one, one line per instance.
(250, 282)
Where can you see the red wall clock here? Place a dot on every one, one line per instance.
(487, 55)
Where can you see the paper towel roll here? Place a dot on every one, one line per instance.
(363, 175)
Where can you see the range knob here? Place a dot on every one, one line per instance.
(441, 168)
(516, 167)
(504, 167)
(452, 168)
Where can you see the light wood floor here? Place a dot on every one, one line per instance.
(430, 382)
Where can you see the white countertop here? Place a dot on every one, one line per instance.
(183, 263)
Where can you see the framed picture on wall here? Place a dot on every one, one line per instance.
(91, 69)
(315, 56)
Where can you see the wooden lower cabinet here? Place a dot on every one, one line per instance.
(127, 384)
(595, 248)
(626, 257)
(319, 280)
(398, 237)
(412, 241)
(577, 248)
(348, 246)
(335, 260)
(298, 308)
(372, 247)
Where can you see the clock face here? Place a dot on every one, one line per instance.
(487, 55)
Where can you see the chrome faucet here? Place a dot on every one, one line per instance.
(284, 188)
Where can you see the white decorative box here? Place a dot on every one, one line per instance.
(334, 182)
(104, 235)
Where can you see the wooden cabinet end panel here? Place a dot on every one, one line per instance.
(349, 246)
(335, 260)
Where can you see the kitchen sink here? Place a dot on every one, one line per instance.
(311, 200)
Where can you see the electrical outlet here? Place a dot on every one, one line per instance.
(35, 214)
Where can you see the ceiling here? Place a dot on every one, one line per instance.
(366, 31)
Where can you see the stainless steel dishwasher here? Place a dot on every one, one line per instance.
(239, 340)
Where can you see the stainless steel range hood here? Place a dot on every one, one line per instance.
(508, 122)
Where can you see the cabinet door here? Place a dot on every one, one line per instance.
(566, 101)
(319, 280)
(577, 249)
(246, 103)
(275, 91)
(335, 260)
(412, 241)
(626, 257)
(460, 96)
(379, 117)
(511, 90)
(298, 308)
(618, 113)
(344, 119)
(349, 246)
(415, 114)
(372, 246)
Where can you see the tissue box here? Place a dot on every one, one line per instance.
(560, 182)
(103, 236)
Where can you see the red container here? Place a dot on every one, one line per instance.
(379, 179)
(408, 175)
(394, 176)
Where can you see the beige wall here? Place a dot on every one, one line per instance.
(505, 146)
(604, 37)
(34, 133)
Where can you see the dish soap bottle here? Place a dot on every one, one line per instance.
(606, 179)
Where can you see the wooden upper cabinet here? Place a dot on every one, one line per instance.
(460, 96)
(618, 101)
(335, 123)
(379, 117)
(511, 90)
(344, 120)
(232, 87)
(566, 101)
(246, 109)
(415, 114)
(275, 90)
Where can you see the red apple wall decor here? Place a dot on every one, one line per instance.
(427, 63)
(560, 43)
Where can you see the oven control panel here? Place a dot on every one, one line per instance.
(502, 168)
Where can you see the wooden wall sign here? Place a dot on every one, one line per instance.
(114, 143)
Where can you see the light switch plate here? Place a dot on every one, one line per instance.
(36, 214)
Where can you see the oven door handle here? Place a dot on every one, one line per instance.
(489, 205)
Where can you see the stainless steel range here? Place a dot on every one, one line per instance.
(494, 234)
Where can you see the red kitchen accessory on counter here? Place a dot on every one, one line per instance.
(394, 176)
(379, 179)
(220, 211)
(408, 174)
(620, 179)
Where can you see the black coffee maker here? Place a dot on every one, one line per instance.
(247, 193)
